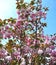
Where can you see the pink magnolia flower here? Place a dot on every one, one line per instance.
(48, 50)
(26, 49)
(3, 53)
(19, 23)
(22, 10)
(33, 16)
(28, 41)
(2, 31)
(8, 58)
(23, 61)
(52, 47)
(18, 12)
(28, 9)
(34, 41)
(53, 38)
(6, 27)
(17, 55)
(7, 35)
(39, 13)
(40, 51)
(47, 40)
(53, 54)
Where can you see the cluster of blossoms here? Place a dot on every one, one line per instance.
(27, 44)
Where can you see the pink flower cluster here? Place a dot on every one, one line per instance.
(30, 46)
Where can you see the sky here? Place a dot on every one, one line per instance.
(8, 9)
(51, 16)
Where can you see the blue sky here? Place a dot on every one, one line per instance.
(51, 16)
(8, 9)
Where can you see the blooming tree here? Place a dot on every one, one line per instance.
(27, 44)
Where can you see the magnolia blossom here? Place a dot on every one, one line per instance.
(23, 61)
(7, 35)
(40, 51)
(41, 14)
(53, 38)
(47, 40)
(6, 27)
(18, 12)
(52, 47)
(8, 58)
(33, 16)
(3, 53)
(16, 53)
(48, 50)
(53, 54)
(28, 41)
(32, 46)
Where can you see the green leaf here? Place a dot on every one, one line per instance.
(1, 45)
